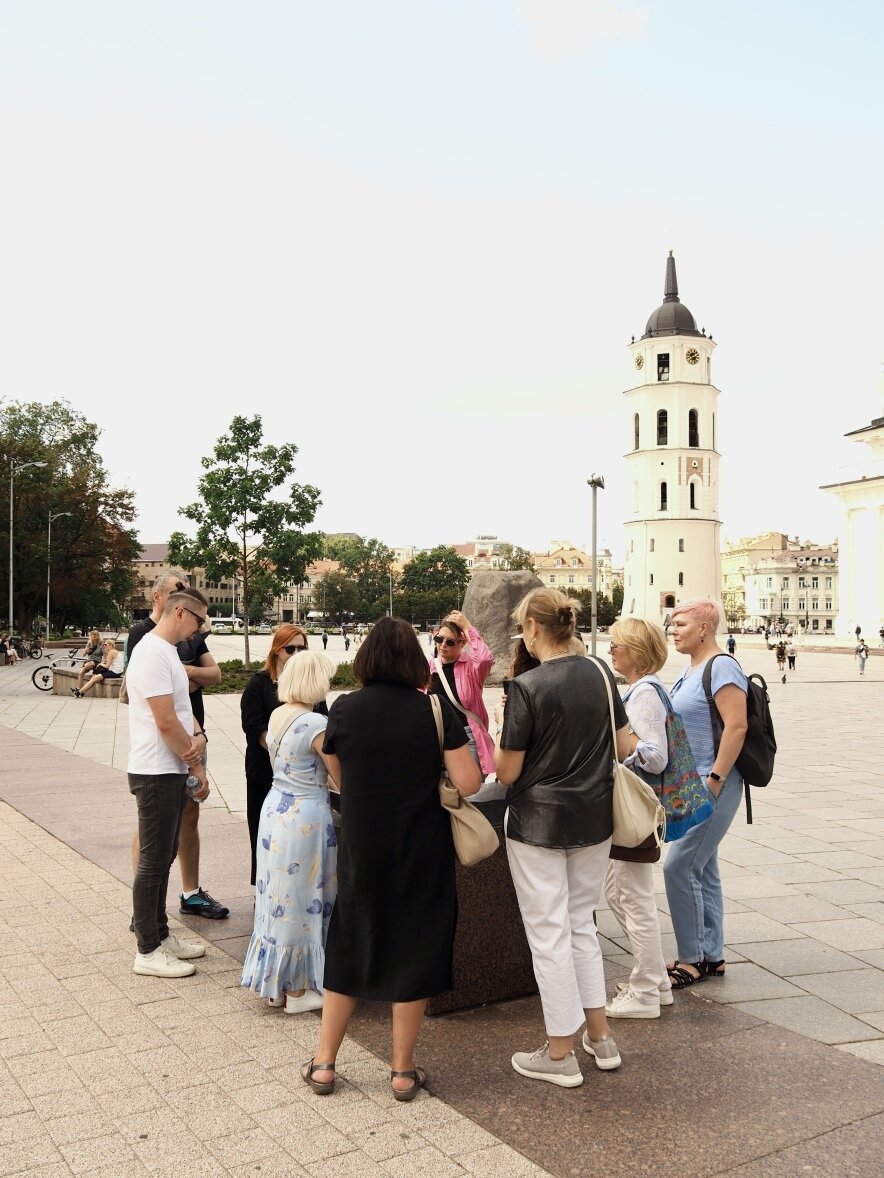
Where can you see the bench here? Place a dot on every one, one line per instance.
(64, 678)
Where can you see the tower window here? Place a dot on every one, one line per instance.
(635, 431)
(651, 582)
(662, 366)
(681, 546)
(669, 601)
(693, 428)
(693, 494)
(664, 505)
(652, 546)
(662, 427)
(681, 578)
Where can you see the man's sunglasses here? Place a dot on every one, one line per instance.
(293, 649)
(446, 641)
(199, 617)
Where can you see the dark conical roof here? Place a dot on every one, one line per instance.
(672, 317)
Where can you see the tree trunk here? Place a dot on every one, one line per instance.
(245, 606)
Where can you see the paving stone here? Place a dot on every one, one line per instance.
(789, 958)
(845, 934)
(811, 1017)
(744, 982)
(855, 991)
(873, 1051)
(790, 909)
(851, 1152)
(500, 1161)
(752, 926)
(873, 911)
(846, 891)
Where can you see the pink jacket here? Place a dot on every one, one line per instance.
(470, 672)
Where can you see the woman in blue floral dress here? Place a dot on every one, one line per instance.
(296, 879)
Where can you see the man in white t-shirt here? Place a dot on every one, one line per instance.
(165, 744)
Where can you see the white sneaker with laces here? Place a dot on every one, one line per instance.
(309, 1000)
(666, 998)
(537, 1065)
(161, 964)
(183, 950)
(627, 1004)
(604, 1052)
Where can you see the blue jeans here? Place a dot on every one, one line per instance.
(693, 884)
(160, 801)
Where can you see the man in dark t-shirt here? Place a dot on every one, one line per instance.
(202, 671)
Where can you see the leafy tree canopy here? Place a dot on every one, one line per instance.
(369, 564)
(512, 557)
(440, 570)
(251, 517)
(94, 544)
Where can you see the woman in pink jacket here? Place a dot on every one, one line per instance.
(459, 671)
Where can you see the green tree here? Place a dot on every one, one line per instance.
(341, 596)
(512, 557)
(94, 545)
(440, 570)
(369, 563)
(242, 528)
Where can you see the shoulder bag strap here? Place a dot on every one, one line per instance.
(607, 682)
(437, 667)
(279, 739)
(437, 716)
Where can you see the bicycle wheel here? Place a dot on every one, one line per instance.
(36, 651)
(42, 678)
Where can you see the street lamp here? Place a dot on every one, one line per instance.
(57, 515)
(390, 575)
(597, 482)
(13, 471)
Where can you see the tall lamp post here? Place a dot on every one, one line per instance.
(57, 515)
(13, 471)
(597, 482)
(390, 575)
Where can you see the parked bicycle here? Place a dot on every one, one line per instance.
(42, 676)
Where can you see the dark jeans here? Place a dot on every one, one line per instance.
(792, 658)
(256, 792)
(160, 801)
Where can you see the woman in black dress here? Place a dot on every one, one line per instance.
(258, 700)
(391, 934)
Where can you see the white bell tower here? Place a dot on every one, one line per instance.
(673, 551)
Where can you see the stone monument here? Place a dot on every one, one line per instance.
(490, 599)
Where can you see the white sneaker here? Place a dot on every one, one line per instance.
(537, 1065)
(666, 998)
(183, 950)
(161, 964)
(604, 1052)
(627, 1004)
(309, 1000)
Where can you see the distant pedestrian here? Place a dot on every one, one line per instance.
(731, 644)
(862, 653)
(781, 656)
(881, 636)
(346, 642)
(324, 639)
(791, 654)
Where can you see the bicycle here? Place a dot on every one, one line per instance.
(42, 676)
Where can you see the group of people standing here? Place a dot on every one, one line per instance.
(374, 916)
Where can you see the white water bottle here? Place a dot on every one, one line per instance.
(193, 785)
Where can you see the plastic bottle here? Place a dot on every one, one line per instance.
(193, 785)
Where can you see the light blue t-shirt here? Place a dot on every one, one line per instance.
(689, 700)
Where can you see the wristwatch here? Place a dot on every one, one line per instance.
(714, 776)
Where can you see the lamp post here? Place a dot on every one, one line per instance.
(390, 575)
(57, 515)
(597, 482)
(13, 471)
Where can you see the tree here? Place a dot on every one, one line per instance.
(94, 545)
(431, 584)
(369, 563)
(241, 528)
(512, 557)
(340, 596)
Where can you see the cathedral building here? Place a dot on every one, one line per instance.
(673, 529)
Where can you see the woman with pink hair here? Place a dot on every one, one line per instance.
(693, 883)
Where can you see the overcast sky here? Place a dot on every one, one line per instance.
(416, 236)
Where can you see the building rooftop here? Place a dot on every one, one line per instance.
(672, 317)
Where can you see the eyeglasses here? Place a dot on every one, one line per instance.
(615, 646)
(446, 641)
(293, 649)
(199, 617)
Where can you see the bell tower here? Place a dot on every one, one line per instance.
(673, 548)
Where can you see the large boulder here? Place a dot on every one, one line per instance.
(490, 599)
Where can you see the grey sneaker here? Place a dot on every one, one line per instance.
(666, 998)
(538, 1066)
(604, 1052)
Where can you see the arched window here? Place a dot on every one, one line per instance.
(651, 582)
(693, 493)
(693, 427)
(662, 427)
(681, 579)
(669, 601)
(652, 546)
(635, 431)
(664, 504)
(681, 546)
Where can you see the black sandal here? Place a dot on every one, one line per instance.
(681, 979)
(321, 1088)
(419, 1076)
(714, 969)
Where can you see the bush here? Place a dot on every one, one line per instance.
(343, 678)
(231, 665)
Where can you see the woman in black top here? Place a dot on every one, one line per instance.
(556, 752)
(391, 934)
(258, 700)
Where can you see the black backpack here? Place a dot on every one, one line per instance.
(756, 759)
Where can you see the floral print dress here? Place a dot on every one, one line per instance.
(296, 878)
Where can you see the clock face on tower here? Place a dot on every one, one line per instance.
(692, 356)
(639, 361)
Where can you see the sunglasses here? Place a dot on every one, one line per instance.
(293, 649)
(199, 617)
(615, 646)
(446, 641)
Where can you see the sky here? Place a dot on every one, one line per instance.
(416, 236)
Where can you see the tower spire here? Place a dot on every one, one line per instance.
(670, 286)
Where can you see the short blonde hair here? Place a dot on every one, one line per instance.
(701, 611)
(550, 609)
(645, 642)
(306, 678)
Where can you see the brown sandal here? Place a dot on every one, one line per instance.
(324, 1088)
(419, 1076)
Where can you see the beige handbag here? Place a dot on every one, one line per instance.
(638, 814)
(474, 837)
